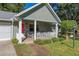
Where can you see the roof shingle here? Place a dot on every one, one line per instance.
(6, 15)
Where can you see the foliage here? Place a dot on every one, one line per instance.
(77, 38)
(58, 49)
(67, 25)
(61, 39)
(78, 27)
(47, 41)
(15, 41)
(65, 49)
(42, 41)
(54, 39)
(68, 11)
(11, 7)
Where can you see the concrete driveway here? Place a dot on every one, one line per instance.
(7, 48)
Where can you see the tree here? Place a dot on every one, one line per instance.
(67, 26)
(11, 7)
(69, 11)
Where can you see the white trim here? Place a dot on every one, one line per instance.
(12, 28)
(38, 20)
(11, 19)
(56, 28)
(20, 31)
(53, 12)
(1, 19)
(35, 29)
(20, 26)
(5, 39)
(27, 10)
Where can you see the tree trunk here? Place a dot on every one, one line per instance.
(66, 36)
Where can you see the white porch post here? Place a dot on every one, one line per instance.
(12, 28)
(20, 30)
(20, 26)
(34, 29)
(56, 28)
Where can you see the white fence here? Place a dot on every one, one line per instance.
(43, 35)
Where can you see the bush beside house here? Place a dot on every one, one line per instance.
(48, 41)
(15, 41)
(67, 27)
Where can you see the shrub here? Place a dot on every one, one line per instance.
(67, 26)
(61, 39)
(77, 38)
(48, 41)
(54, 39)
(57, 39)
(42, 42)
(14, 40)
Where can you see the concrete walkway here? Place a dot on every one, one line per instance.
(7, 49)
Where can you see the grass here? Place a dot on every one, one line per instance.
(63, 48)
(47, 41)
(42, 42)
(23, 50)
(56, 47)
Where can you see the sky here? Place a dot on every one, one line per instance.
(55, 6)
(28, 5)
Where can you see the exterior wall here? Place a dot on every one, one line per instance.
(42, 14)
(46, 27)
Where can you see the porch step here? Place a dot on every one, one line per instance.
(28, 41)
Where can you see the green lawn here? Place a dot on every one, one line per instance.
(55, 48)
(63, 48)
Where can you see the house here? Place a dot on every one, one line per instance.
(6, 19)
(36, 22)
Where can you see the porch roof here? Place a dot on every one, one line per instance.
(40, 12)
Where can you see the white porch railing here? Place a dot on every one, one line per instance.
(43, 35)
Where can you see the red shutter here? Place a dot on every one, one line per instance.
(22, 25)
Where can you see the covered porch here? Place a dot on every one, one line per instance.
(40, 29)
(38, 22)
(34, 29)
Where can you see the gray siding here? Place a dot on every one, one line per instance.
(45, 27)
(42, 14)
